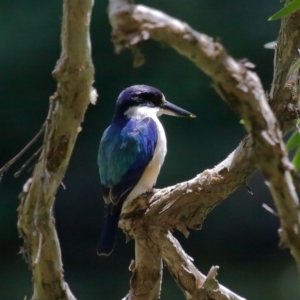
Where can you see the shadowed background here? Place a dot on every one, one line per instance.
(238, 235)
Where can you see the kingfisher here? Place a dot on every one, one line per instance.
(131, 153)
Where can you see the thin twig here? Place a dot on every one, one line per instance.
(17, 174)
(269, 209)
(63, 185)
(13, 160)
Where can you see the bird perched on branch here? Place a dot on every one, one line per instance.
(131, 153)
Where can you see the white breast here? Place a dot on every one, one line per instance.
(151, 172)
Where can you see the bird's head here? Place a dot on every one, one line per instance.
(144, 99)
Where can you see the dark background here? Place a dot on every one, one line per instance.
(238, 235)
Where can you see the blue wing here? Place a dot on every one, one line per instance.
(126, 148)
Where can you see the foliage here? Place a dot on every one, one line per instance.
(287, 10)
(294, 142)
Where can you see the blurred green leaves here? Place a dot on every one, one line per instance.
(292, 143)
(287, 10)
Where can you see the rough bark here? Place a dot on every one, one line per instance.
(147, 261)
(74, 73)
(186, 204)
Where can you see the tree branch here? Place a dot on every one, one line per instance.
(14, 159)
(145, 282)
(283, 97)
(74, 73)
(192, 282)
(187, 204)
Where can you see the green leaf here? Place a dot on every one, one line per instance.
(294, 67)
(294, 141)
(296, 159)
(288, 9)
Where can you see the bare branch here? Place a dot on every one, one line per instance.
(133, 24)
(193, 283)
(284, 89)
(186, 204)
(74, 73)
(13, 160)
(145, 282)
(271, 156)
(24, 166)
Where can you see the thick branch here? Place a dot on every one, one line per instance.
(147, 268)
(188, 203)
(74, 73)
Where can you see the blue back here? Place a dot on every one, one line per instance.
(126, 148)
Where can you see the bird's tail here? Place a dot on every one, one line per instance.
(108, 236)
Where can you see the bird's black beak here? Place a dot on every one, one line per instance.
(174, 110)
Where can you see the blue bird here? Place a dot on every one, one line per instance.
(131, 153)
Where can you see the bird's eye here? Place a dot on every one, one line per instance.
(146, 96)
(156, 101)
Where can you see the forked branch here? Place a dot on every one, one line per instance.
(186, 205)
(191, 281)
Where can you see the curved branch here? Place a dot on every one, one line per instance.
(74, 72)
(186, 204)
(183, 205)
